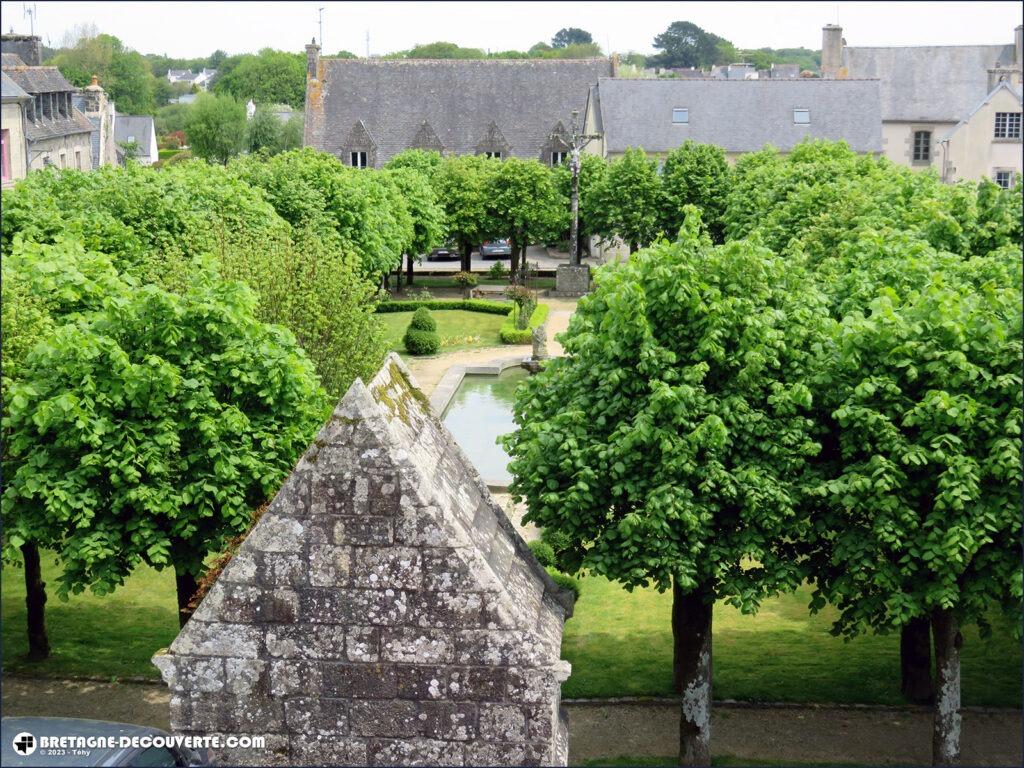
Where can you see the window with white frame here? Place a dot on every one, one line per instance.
(1005, 178)
(357, 159)
(681, 116)
(1007, 125)
(495, 155)
(922, 147)
(557, 158)
(801, 116)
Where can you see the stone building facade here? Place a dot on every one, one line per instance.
(383, 611)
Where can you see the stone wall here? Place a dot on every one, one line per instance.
(383, 611)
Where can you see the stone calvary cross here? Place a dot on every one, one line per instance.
(383, 611)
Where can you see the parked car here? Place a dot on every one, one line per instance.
(21, 744)
(446, 252)
(496, 249)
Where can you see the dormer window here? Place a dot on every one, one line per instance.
(680, 116)
(557, 158)
(357, 159)
(494, 155)
(801, 116)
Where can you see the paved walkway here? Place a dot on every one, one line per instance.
(811, 734)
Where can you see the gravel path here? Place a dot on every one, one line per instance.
(799, 734)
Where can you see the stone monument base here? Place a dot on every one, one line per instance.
(571, 280)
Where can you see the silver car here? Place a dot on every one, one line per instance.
(496, 249)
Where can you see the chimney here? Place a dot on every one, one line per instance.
(615, 62)
(29, 48)
(831, 49)
(312, 60)
(95, 96)
(1018, 39)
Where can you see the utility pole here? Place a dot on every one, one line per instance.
(577, 141)
(367, 43)
(321, 9)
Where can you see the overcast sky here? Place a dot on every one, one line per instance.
(191, 29)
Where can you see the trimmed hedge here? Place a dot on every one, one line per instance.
(512, 335)
(418, 342)
(422, 320)
(565, 581)
(469, 305)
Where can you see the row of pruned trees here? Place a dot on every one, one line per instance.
(831, 395)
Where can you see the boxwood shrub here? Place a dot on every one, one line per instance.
(422, 320)
(419, 342)
(469, 305)
(512, 335)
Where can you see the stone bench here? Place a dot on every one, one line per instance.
(488, 292)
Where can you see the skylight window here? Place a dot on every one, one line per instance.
(802, 116)
(680, 116)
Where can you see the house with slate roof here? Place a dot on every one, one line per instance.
(738, 115)
(364, 111)
(57, 132)
(14, 147)
(383, 611)
(927, 91)
(138, 129)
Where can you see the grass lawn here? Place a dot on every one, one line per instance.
(619, 644)
(451, 323)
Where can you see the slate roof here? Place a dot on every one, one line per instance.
(139, 126)
(738, 115)
(11, 91)
(65, 126)
(11, 60)
(1015, 90)
(929, 83)
(39, 79)
(459, 99)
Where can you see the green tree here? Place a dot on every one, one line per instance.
(694, 174)
(684, 44)
(671, 444)
(123, 73)
(150, 431)
(269, 77)
(171, 118)
(920, 515)
(216, 127)
(426, 212)
(440, 50)
(571, 36)
(291, 133)
(524, 205)
(462, 187)
(626, 202)
(264, 131)
(426, 161)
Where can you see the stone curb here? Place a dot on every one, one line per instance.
(449, 383)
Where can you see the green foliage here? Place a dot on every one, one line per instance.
(921, 504)
(421, 201)
(498, 271)
(124, 74)
(268, 77)
(559, 541)
(422, 320)
(523, 203)
(694, 174)
(511, 333)
(543, 552)
(421, 342)
(626, 201)
(462, 183)
(171, 118)
(470, 305)
(426, 161)
(264, 131)
(147, 430)
(216, 127)
(684, 44)
(673, 439)
(466, 279)
(571, 36)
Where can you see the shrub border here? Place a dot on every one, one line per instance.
(469, 305)
(512, 335)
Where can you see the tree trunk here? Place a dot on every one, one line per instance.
(946, 719)
(467, 257)
(186, 584)
(398, 276)
(513, 274)
(408, 271)
(916, 661)
(35, 603)
(691, 628)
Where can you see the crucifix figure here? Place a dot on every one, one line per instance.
(577, 141)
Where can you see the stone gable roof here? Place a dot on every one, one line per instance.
(737, 115)
(459, 99)
(11, 91)
(928, 83)
(382, 611)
